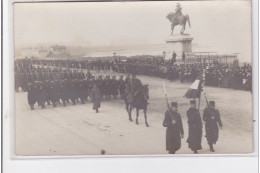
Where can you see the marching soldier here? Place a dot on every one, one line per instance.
(72, 91)
(195, 128)
(108, 87)
(81, 90)
(42, 95)
(32, 95)
(53, 93)
(63, 91)
(174, 128)
(212, 120)
(96, 97)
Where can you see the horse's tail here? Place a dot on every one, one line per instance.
(188, 19)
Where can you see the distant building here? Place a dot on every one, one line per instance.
(53, 51)
(57, 51)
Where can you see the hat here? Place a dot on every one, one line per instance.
(174, 104)
(212, 103)
(192, 101)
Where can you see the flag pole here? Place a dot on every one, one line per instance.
(201, 87)
(168, 105)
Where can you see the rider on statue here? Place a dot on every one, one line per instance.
(178, 10)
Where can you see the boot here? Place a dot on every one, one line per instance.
(211, 148)
(97, 111)
(171, 152)
(195, 152)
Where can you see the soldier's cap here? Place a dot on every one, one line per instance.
(192, 101)
(212, 103)
(174, 104)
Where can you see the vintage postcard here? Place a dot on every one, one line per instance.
(133, 78)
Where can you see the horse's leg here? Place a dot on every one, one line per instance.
(137, 114)
(182, 30)
(172, 28)
(130, 112)
(145, 117)
(126, 107)
(183, 27)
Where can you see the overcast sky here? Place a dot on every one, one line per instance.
(222, 26)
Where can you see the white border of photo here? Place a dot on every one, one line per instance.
(138, 163)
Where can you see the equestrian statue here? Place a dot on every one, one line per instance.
(178, 18)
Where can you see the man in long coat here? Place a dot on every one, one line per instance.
(174, 131)
(96, 97)
(32, 95)
(195, 127)
(212, 123)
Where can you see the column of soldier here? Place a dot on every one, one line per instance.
(54, 86)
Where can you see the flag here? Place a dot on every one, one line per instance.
(194, 90)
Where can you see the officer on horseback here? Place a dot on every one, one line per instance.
(136, 97)
(133, 86)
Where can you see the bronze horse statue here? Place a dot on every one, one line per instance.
(140, 101)
(178, 20)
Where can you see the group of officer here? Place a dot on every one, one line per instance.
(174, 127)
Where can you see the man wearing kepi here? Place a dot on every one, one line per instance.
(174, 131)
(195, 128)
(212, 121)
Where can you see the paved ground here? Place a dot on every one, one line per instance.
(78, 130)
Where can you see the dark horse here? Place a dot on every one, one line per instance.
(138, 102)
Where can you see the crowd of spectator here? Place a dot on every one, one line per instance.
(215, 74)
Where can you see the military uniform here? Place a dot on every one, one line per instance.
(32, 95)
(195, 129)
(212, 120)
(95, 95)
(174, 131)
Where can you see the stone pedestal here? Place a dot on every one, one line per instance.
(178, 43)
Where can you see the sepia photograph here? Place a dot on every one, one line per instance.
(133, 78)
